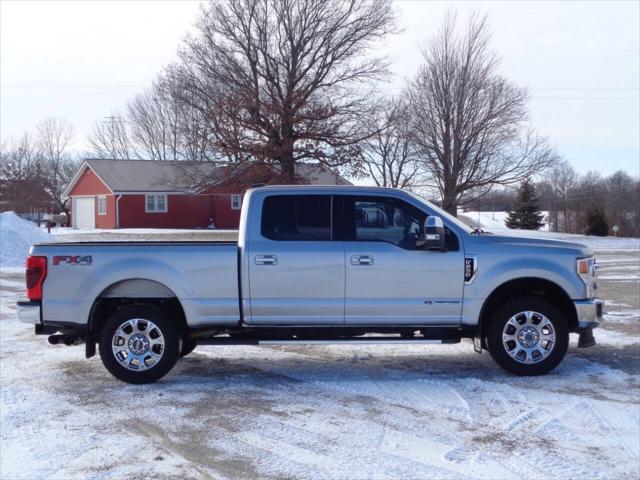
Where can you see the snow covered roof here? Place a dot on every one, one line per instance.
(127, 176)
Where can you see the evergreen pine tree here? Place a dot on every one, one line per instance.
(596, 222)
(525, 214)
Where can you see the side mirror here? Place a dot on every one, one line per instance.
(434, 236)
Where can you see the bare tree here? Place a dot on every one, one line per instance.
(164, 127)
(470, 123)
(389, 155)
(284, 80)
(562, 179)
(20, 157)
(110, 138)
(154, 125)
(21, 174)
(55, 136)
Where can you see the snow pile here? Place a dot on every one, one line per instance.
(16, 236)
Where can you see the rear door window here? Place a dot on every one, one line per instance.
(297, 217)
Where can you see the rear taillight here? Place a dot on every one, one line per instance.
(36, 273)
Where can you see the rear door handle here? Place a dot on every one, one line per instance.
(361, 260)
(266, 260)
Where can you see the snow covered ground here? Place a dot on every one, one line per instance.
(494, 220)
(328, 412)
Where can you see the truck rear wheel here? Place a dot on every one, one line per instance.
(528, 336)
(139, 344)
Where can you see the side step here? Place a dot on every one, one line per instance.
(335, 341)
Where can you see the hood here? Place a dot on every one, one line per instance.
(580, 250)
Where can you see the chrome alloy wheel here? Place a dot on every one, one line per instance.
(529, 337)
(138, 344)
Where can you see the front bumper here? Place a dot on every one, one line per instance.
(589, 312)
(28, 312)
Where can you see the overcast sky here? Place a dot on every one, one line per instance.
(83, 60)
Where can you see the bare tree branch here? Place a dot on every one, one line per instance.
(110, 138)
(389, 155)
(55, 136)
(167, 128)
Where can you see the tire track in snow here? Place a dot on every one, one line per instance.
(440, 456)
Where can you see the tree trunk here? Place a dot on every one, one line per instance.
(287, 161)
(449, 197)
(450, 205)
(287, 166)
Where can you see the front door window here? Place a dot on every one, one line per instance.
(376, 219)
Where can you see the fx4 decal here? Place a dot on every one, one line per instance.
(72, 260)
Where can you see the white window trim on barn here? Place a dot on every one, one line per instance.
(236, 202)
(151, 203)
(102, 205)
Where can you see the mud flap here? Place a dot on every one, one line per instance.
(586, 338)
(90, 347)
(477, 344)
(477, 338)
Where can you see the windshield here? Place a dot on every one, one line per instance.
(445, 216)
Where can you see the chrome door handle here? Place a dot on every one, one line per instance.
(361, 260)
(266, 260)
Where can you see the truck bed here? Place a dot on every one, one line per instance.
(203, 275)
(99, 243)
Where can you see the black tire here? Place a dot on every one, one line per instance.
(498, 350)
(188, 346)
(169, 353)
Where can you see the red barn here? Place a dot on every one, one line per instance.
(166, 194)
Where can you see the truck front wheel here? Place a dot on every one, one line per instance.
(528, 336)
(139, 344)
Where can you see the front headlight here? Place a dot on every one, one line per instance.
(587, 270)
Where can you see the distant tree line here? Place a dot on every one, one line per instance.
(572, 198)
(575, 203)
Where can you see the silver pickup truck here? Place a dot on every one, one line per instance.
(317, 265)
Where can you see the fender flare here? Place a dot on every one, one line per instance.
(126, 288)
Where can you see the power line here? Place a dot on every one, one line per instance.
(96, 86)
(585, 98)
(124, 85)
(584, 88)
(397, 88)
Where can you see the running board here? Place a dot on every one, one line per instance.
(351, 341)
(336, 341)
